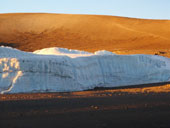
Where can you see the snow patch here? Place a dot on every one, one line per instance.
(62, 52)
(104, 52)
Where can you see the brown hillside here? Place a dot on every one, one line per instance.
(30, 32)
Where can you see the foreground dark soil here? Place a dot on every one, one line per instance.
(143, 107)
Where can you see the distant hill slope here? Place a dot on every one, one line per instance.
(29, 32)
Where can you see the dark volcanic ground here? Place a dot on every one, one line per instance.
(96, 109)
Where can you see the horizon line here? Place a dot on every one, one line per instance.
(85, 14)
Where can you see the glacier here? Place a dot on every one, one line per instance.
(63, 70)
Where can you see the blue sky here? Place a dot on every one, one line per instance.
(150, 9)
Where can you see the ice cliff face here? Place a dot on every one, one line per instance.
(60, 70)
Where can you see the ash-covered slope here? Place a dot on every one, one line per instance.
(72, 70)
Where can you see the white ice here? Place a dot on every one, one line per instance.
(61, 70)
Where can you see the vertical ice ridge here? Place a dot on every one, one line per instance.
(100, 64)
(13, 81)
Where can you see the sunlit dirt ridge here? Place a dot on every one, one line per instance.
(32, 31)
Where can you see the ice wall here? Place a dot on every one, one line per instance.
(72, 70)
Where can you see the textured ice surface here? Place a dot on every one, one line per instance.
(60, 70)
